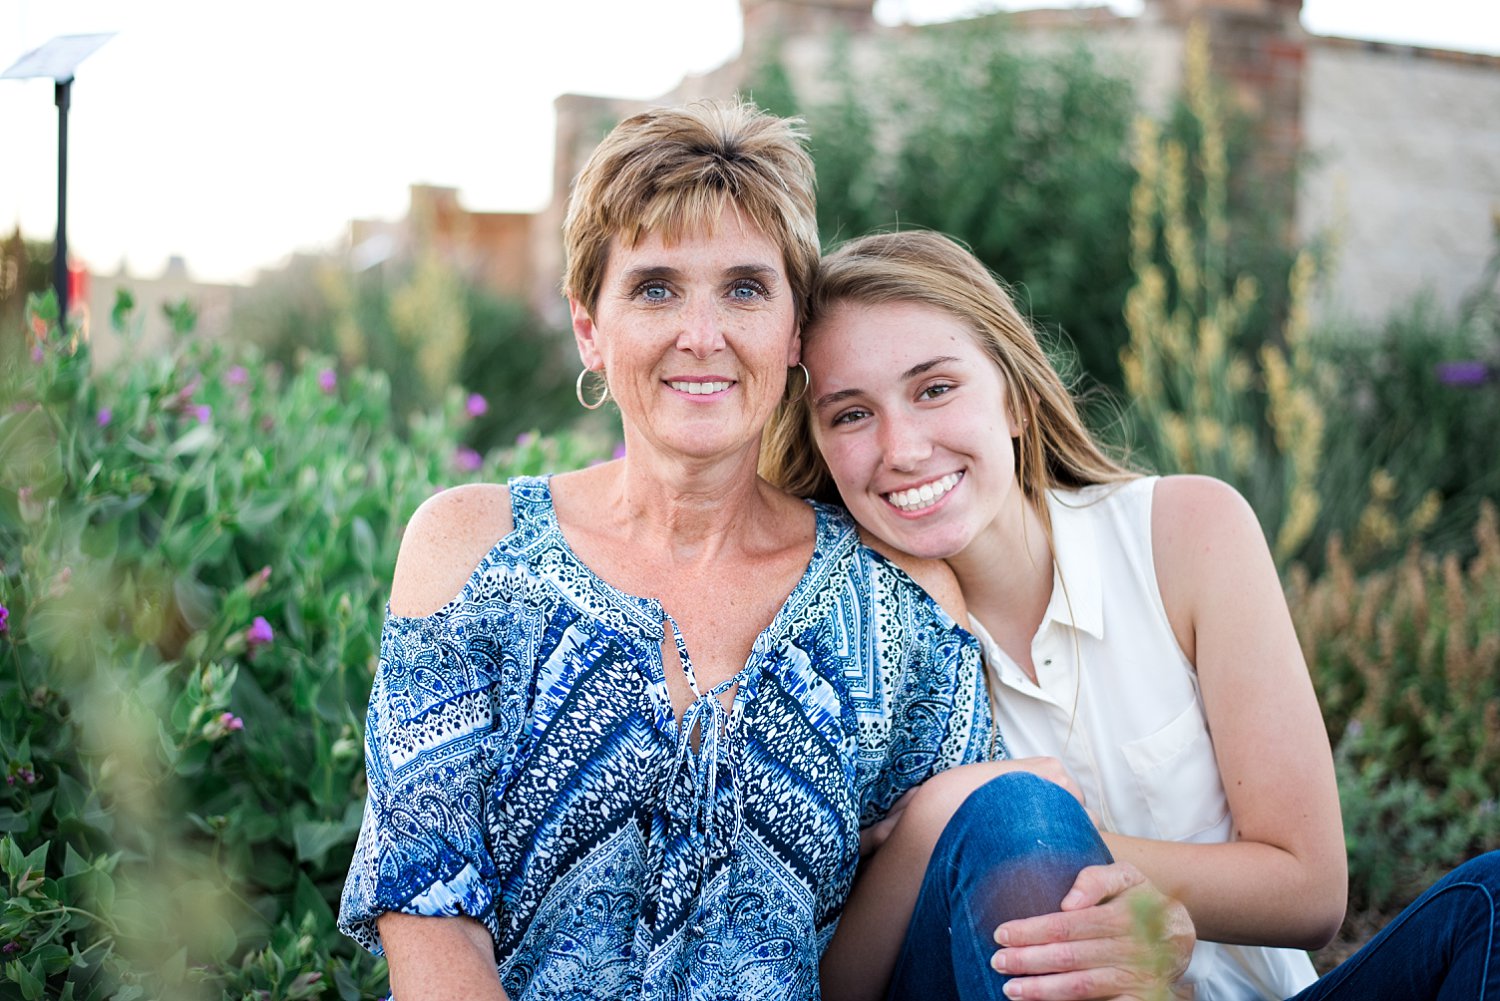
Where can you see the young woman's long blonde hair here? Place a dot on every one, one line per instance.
(1054, 448)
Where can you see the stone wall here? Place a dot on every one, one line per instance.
(1404, 172)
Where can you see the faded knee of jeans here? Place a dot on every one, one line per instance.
(1018, 814)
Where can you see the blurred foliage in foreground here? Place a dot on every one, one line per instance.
(194, 555)
(427, 327)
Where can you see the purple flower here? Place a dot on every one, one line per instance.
(1462, 373)
(259, 633)
(4, 620)
(203, 412)
(104, 416)
(619, 451)
(36, 355)
(466, 459)
(328, 381)
(231, 723)
(476, 405)
(525, 439)
(237, 376)
(10, 947)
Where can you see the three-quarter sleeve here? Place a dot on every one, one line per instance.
(436, 733)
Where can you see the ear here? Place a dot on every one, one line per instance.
(1015, 414)
(586, 334)
(794, 349)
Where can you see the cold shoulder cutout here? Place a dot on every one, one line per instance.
(445, 540)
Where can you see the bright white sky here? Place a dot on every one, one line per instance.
(233, 133)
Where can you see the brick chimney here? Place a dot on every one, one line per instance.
(1259, 50)
(769, 22)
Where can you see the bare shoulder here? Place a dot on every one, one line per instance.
(1211, 558)
(443, 543)
(1195, 516)
(933, 576)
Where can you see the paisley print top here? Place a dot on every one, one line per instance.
(526, 769)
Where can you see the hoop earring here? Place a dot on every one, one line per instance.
(578, 391)
(806, 381)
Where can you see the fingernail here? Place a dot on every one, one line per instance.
(998, 961)
(1072, 898)
(1002, 935)
(1012, 989)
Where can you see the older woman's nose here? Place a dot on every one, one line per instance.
(702, 330)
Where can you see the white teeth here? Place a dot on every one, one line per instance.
(924, 496)
(699, 388)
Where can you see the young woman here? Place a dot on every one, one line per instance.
(1134, 628)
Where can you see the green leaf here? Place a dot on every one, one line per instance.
(315, 837)
(308, 900)
(364, 543)
(31, 981)
(119, 316)
(201, 437)
(74, 863)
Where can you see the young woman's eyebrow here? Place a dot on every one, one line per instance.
(925, 366)
(829, 399)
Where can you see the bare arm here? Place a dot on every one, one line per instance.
(1282, 880)
(439, 959)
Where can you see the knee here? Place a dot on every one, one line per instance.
(1483, 870)
(1018, 814)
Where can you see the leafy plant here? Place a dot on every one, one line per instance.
(194, 550)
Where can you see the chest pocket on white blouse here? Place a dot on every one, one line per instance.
(1179, 777)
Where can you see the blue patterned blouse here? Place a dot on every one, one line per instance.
(526, 769)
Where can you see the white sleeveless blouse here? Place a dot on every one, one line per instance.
(1135, 736)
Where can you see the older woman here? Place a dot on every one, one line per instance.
(629, 721)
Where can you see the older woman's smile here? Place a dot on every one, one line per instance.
(697, 387)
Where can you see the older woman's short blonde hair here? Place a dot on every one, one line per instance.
(674, 170)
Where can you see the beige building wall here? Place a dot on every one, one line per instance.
(1405, 171)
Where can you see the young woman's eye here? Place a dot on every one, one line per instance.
(935, 390)
(849, 416)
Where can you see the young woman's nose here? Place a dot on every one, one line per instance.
(702, 330)
(903, 444)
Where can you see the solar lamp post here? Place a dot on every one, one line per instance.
(56, 60)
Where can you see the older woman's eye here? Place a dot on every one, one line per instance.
(654, 292)
(747, 289)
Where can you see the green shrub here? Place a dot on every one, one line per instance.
(427, 328)
(1020, 153)
(1426, 443)
(1406, 663)
(194, 553)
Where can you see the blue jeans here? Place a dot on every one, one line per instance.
(1012, 850)
(1444, 947)
(1014, 847)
